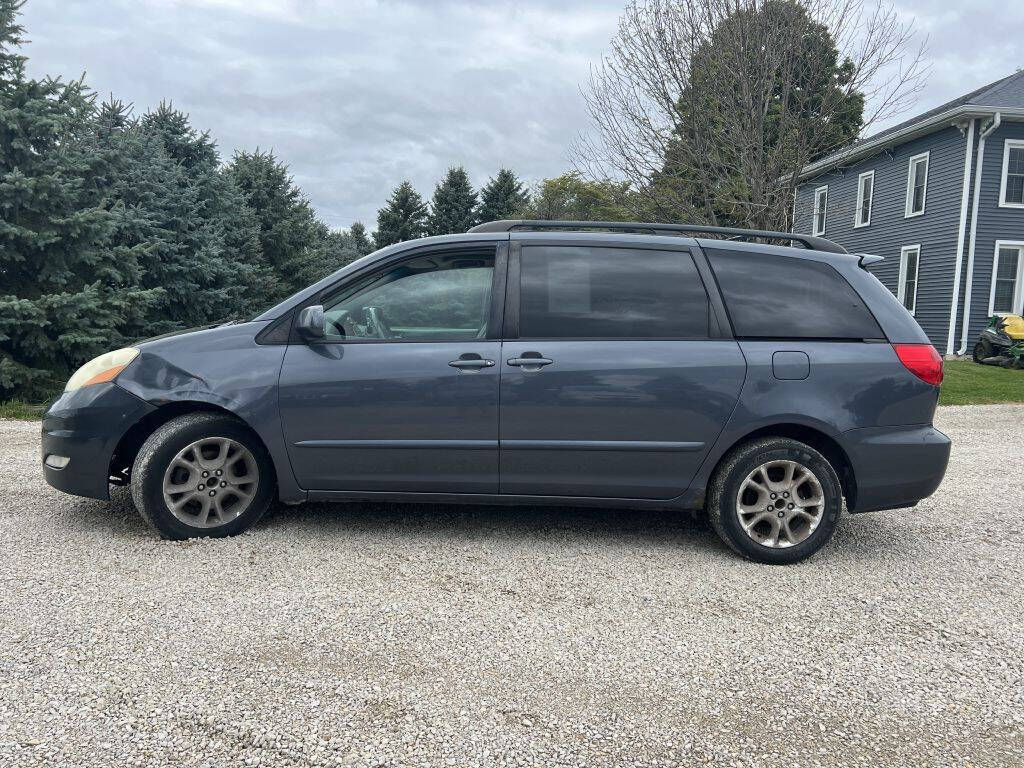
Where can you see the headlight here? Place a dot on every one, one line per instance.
(102, 368)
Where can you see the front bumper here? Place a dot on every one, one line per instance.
(896, 466)
(84, 427)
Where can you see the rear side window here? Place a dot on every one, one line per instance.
(779, 297)
(610, 293)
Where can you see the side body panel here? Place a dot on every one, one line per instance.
(630, 419)
(391, 416)
(224, 367)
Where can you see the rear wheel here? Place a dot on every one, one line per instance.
(775, 500)
(202, 474)
(982, 349)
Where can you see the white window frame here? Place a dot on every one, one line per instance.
(901, 290)
(1018, 290)
(860, 199)
(823, 209)
(1007, 146)
(907, 212)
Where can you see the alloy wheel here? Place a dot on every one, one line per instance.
(780, 504)
(210, 482)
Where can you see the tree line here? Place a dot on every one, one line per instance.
(116, 226)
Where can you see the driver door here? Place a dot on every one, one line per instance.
(402, 394)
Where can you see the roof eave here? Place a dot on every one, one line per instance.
(924, 127)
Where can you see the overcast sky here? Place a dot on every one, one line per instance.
(356, 95)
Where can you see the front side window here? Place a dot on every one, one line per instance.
(917, 184)
(610, 293)
(1006, 279)
(785, 297)
(440, 297)
(910, 261)
(865, 191)
(1012, 187)
(820, 206)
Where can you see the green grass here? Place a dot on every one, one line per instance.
(967, 383)
(14, 409)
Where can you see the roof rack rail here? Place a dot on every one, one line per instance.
(807, 241)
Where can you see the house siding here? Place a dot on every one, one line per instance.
(889, 230)
(994, 223)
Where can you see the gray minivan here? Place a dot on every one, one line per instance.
(532, 362)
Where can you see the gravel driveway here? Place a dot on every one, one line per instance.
(472, 636)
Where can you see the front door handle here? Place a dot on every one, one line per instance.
(529, 363)
(471, 363)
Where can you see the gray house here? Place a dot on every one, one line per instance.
(941, 197)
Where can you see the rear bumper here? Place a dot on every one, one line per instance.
(85, 427)
(896, 466)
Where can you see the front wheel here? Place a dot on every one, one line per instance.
(775, 500)
(200, 475)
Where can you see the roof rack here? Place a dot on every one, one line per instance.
(736, 233)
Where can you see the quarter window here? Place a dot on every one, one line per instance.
(787, 297)
(917, 184)
(865, 193)
(610, 293)
(820, 207)
(1007, 271)
(1012, 187)
(910, 262)
(440, 297)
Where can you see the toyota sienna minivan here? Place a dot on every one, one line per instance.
(532, 362)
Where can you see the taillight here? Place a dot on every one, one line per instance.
(921, 360)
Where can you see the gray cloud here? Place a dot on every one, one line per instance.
(356, 96)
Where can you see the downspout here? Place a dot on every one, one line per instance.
(961, 232)
(974, 230)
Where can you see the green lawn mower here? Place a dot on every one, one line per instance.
(1002, 342)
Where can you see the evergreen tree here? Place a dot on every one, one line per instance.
(403, 218)
(65, 295)
(453, 208)
(360, 238)
(291, 237)
(202, 240)
(503, 197)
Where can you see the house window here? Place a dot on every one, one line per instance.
(910, 261)
(917, 184)
(820, 203)
(1011, 194)
(1007, 292)
(865, 192)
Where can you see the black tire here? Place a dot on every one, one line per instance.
(979, 352)
(156, 455)
(733, 471)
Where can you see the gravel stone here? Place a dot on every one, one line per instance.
(400, 635)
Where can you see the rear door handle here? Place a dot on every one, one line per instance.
(471, 363)
(530, 363)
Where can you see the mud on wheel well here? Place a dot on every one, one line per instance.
(128, 448)
(820, 442)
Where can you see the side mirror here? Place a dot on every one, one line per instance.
(310, 323)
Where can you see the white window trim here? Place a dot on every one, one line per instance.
(857, 223)
(901, 290)
(1018, 291)
(824, 219)
(907, 214)
(1007, 146)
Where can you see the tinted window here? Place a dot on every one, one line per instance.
(441, 297)
(610, 293)
(780, 297)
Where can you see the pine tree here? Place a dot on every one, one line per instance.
(453, 208)
(403, 218)
(360, 238)
(65, 294)
(503, 197)
(291, 236)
